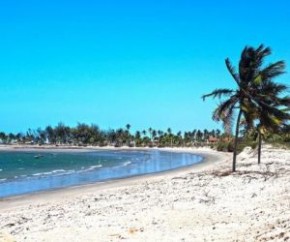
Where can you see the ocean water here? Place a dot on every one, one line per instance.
(27, 172)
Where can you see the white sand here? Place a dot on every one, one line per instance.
(205, 203)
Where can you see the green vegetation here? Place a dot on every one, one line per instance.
(257, 100)
(83, 135)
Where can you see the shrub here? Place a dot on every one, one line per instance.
(225, 146)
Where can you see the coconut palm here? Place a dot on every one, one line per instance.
(268, 107)
(273, 115)
(250, 92)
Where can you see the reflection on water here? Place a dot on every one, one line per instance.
(26, 172)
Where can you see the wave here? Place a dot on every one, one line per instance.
(54, 172)
(67, 172)
(1, 170)
(126, 163)
(91, 168)
(58, 172)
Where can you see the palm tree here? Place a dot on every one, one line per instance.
(205, 135)
(50, 134)
(199, 135)
(269, 109)
(218, 133)
(193, 135)
(150, 132)
(271, 117)
(169, 131)
(128, 126)
(111, 136)
(3, 137)
(120, 137)
(154, 134)
(128, 135)
(249, 94)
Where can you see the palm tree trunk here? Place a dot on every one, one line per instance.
(259, 147)
(236, 141)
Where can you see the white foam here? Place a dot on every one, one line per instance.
(91, 168)
(54, 172)
(126, 163)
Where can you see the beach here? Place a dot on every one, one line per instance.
(205, 202)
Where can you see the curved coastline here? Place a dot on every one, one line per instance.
(194, 203)
(209, 158)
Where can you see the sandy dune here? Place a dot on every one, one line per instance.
(206, 203)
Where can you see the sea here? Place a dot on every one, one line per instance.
(23, 172)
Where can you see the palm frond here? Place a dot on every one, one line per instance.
(285, 101)
(273, 112)
(258, 57)
(272, 88)
(247, 65)
(224, 108)
(250, 114)
(273, 70)
(228, 120)
(261, 53)
(218, 93)
(232, 71)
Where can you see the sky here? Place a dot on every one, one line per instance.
(146, 63)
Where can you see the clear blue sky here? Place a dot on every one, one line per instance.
(146, 63)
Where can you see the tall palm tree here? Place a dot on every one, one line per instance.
(273, 116)
(269, 108)
(249, 94)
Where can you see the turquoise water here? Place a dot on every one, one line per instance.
(27, 172)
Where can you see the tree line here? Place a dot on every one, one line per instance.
(83, 134)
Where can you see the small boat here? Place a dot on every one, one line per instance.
(38, 156)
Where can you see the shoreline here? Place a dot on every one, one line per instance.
(210, 157)
(71, 148)
(205, 203)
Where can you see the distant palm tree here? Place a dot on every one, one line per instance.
(218, 133)
(127, 134)
(137, 138)
(50, 134)
(169, 131)
(249, 94)
(128, 126)
(193, 135)
(205, 134)
(199, 135)
(160, 133)
(137, 135)
(150, 132)
(154, 134)
(3, 137)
